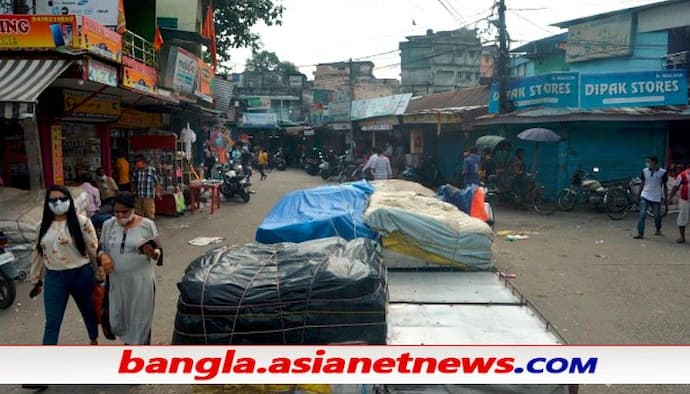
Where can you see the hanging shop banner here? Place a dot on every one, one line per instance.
(549, 90)
(639, 89)
(56, 154)
(182, 77)
(139, 76)
(100, 41)
(381, 106)
(104, 12)
(102, 73)
(87, 105)
(38, 31)
(204, 86)
(133, 119)
(379, 124)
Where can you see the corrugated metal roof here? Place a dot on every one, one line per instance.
(222, 93)
(537, 115)
(455, 99)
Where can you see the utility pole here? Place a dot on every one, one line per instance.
(502, 58)
(351, 133)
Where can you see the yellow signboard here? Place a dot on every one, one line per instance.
(56, 149)
(88, 105)
(133, 119)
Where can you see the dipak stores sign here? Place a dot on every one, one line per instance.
(590, 91)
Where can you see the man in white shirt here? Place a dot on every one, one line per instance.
(653, 191)
(380, 164)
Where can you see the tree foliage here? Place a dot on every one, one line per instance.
(263, 62)
(234, 20)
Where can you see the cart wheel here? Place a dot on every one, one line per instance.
(543, 205)
(617, 203)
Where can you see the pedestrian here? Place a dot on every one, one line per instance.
(62, 263)
(654, 189)
(209, 159)
(129, 247)
(682, 183)
(379, 164)
(123, 171)
(519, 174)
(262, 161)
(246, 161)
(93, 195)
(470, 168)
(488, 165)
(106, 186)
(147, 185)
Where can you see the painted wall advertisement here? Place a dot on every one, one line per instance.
(104, 12)
(139, 76)
(56, 153)
(38, 31)
(82, 105)
(589, 91)
(102, 73)
(100, 41)
(204, 86)
(551, 90)
(641, 89)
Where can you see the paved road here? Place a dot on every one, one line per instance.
(616, 291)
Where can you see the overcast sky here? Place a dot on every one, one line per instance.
(321, 31)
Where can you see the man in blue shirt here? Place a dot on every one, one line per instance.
(470, 168)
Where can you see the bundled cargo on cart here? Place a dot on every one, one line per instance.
(317, 292)
(427, 229)
(321, 212)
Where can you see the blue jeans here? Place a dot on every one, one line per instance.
(656, 208)
(59, 285)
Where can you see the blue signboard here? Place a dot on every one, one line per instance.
(549, 90)
(638, 89)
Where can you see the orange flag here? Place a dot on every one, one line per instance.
(121, 22)
(158, 40)
(209, 32)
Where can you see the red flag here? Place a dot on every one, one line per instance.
(121, 22)
(209, 32)
(158, 40)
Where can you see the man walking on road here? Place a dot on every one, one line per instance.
(147, 184)
(683, 184)
(470, 168)
(654, 189)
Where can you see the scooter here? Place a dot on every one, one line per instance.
(235, 183)
(8, 274)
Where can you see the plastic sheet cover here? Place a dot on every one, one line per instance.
(322, 212)
(314, 293)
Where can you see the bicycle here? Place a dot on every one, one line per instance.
(621, 200)
(535, 196)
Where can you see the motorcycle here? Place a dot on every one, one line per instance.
(278, 162)
(621, 200)
(235, 183)
(335, 167)
(427, 174)
(584, 188)
(8, 274)
(311, 163)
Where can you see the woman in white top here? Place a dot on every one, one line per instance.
(62, 264)
(129, 247)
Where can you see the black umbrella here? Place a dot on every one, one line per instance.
(538, 135)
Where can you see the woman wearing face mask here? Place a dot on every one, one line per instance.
(127, 254)
(62, 264)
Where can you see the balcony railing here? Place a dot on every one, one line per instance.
(139, 49)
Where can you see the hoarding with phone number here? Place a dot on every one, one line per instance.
(37, 31)
(100, 41)
(139, 76)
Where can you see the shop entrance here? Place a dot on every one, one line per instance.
(679, 144)
(81, 152)
(14, 167)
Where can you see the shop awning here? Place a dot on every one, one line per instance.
(629, 114)
(22, 81)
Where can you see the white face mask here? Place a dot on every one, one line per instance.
(103, 177)
(59, 207)
(125, 221)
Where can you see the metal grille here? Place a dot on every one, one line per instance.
(139, 49)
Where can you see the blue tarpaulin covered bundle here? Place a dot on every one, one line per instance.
(321, 212)
(461, 198)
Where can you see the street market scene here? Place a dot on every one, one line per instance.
(200, 172)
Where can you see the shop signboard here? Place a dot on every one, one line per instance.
(38, 31)
(102, 73)
(99, 40)
(133, 119)
(638, 89)
(601, 38)
(382, 106)
(183, 76)
(549, 90)
(204, 89)
(379, 124)
(104, 12)
(139, 76)
(56, 153)
(87, 105)
(268, 120)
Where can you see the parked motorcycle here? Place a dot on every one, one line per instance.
(427, 174)
(334, 167)
(8, 274)
(235, 183)
(277, 161)
(584, 188)
(312, 161)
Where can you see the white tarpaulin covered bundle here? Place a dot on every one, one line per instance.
(424, 227)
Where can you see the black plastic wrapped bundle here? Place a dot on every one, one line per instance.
(312, 293)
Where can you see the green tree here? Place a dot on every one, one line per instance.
(234, 20)
(263, 62)
(287, 68)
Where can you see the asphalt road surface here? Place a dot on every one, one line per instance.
(583, 271)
